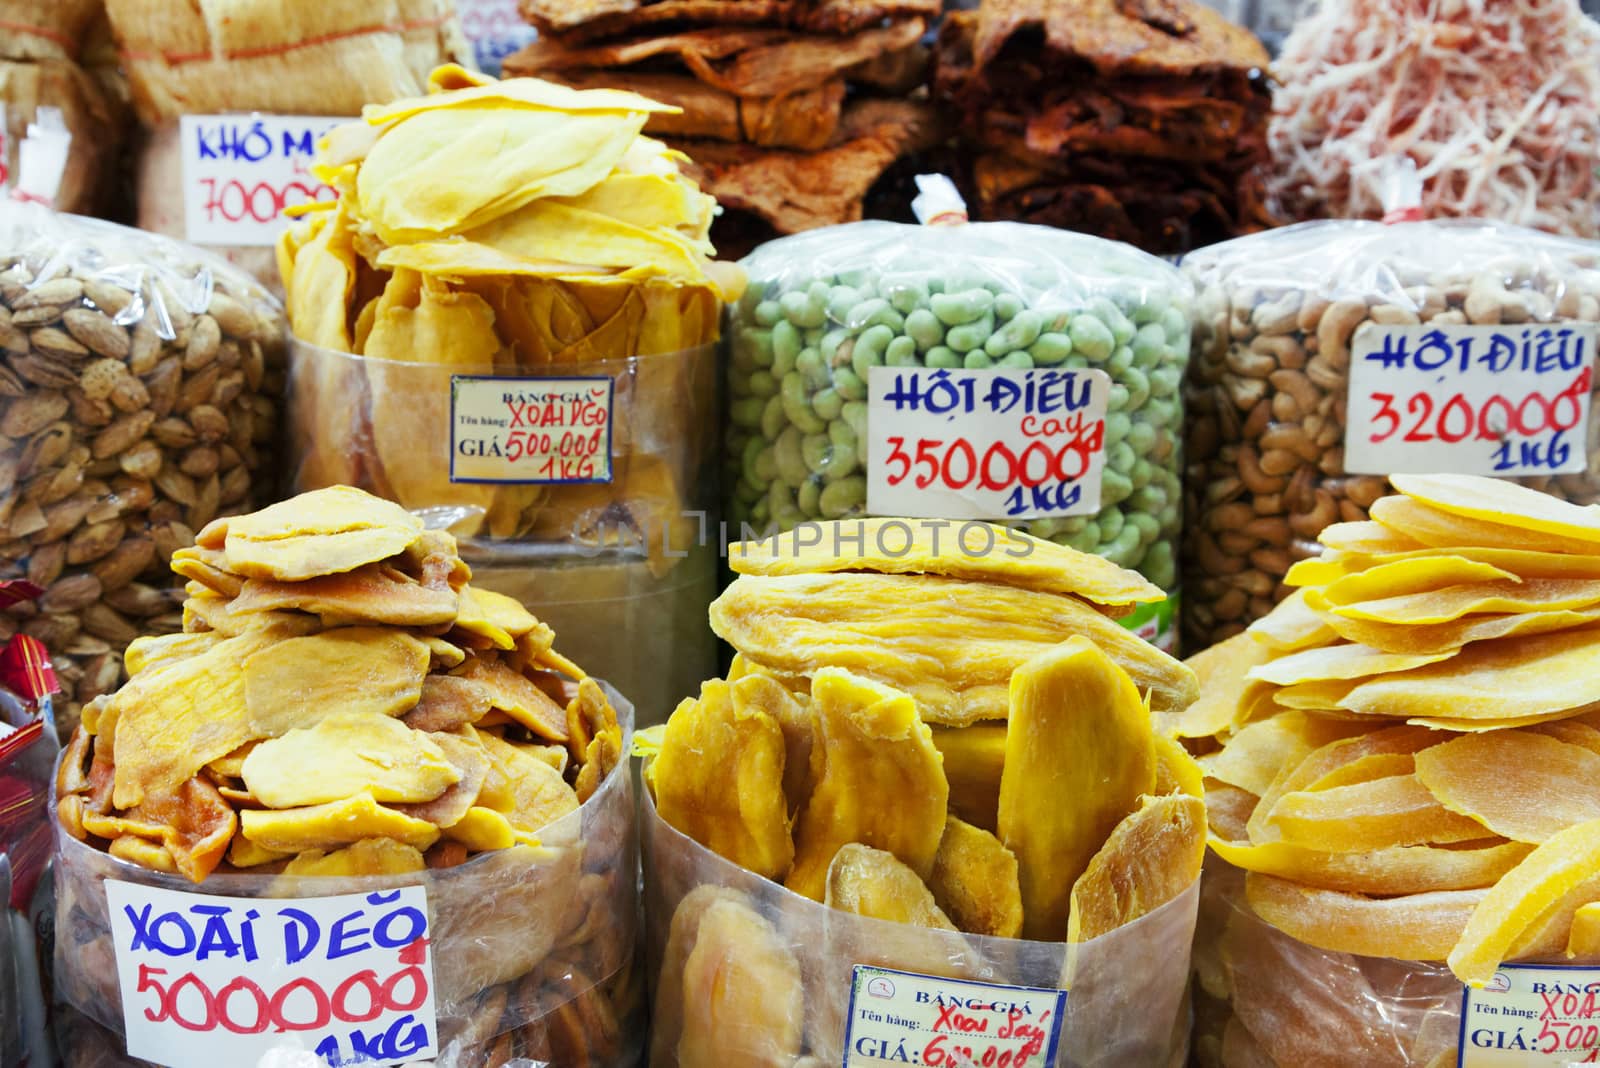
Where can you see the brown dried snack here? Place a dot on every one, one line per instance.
(587, 19)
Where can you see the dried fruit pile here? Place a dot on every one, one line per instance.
(947, 740)
(503, 228)
(1409, 760)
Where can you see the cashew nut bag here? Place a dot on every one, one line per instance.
(515, 229)
(139, 382)
(1402, 768)
(343, 711)
(1278, 316)
(934, 761)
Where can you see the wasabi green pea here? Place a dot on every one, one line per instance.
(1054, 320)
(1148, 525)
(1160, 412)
(843, 498)
(1124, 549)
(1075, 363)
(1087, 540)
(1146, 312)
(759, 344)
(1007, 306)
(1019, 333)
(1175, 325)
(1120, 457)
(1164, 381)
(882, 314)
(1139, 474)
(809, 496)
(841, 433)
(785, 341)
(1121, 360)
(843, 460)
(1159, 565)
(967, 306)
(908, 297)
(789, 456)
(1051, 349)
(1166, 443)
(827, 403)
(1149, 345)
(749, 462)
(760, 512)
(840, 300)
(902, 352)
(869, 350)
(772, 418)
(1090, 337)
(850, 385)
(977, 360)
(1110, 520)
(1118, 427)
(752, 297)
(797, 406)
(766, 465)
(1017, 360)
(969, 336)
(1114, 487)
(835, 346)
(1116, 397)
(811, 368)
(1150, 498)
(942, 356)
(858, 277)
(924, 328)
(855, 417)
(768, 312)
(762, 385)
(1048, 529)
(814, 449)
(747, 412)
(805, 309)
(1141, 436)
(1138, 387)
(748, 492)
(1073, 524)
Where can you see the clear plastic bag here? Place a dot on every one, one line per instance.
(532, 948)
(823, 307)
(1127, 1003)
(1275, 319)
(141, 381)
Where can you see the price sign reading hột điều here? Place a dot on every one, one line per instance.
(210, 981)
(908, 1019)
(530, 430)
(985, 444)
(1532, 1016)
(241, 171)
(1471, 400)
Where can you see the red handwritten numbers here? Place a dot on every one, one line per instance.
(242, 172)
(302, 1004)
(530, 430)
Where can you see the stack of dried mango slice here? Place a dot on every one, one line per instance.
(502, 228)
(1405, 760)
(952, 741)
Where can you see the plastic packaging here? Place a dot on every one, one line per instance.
(1127, 1001)
(532, 948)
(29, 90)
(823, 307)
(1276, 317)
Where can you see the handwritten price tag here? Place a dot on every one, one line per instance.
(1470, 400)
(1532, 1015)
(992, 444)
(241, 171)
(210, 981)
(530, 430)
(905, 1018)
(495, 29)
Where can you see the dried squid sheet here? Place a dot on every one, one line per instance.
(1422, 524)
(1410, 927)
(1009, 558)
(1424, 639)
(1222, 674)
(1340, 662)
(1292, 625)
(1543, 675)
(1502, 502)
(1450, 603)
(1525, 786)
(951, 644)
(1409, 577)
(1394, 870)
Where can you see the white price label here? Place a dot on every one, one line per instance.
(1470, 400)
(985, 444)
(210, 980)
(530, 430)
(904, 1018)
(1532, 1016)
(241, 171)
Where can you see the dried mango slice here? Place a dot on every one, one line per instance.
(667, 1020)
(743, 1001)
(218, 614)
(495, 616)
(1425, 638)
(295, 683)
(443, 653)
(1367, 537)
(143, 852)
(323, 532)
(232, 765)
(1152, 856)
(950, 644)
(470, 761)
(767, 695)
(1524, 786)
(375, 593)
(448, 702)
(879, 780)
(1366, 769)
(1325, 696)
(197, 824)
(1528, 563)
(343, 754)
(244, 853)
(1007, 556)
(1223, 673)
(1322, 570)
(1506, 679)
(1176, 771)
(1584, 939)
(1417, 575)
(370, 856)
(1572, 732)
(719, 779)
(974, 881)
(1548, 878)
(973, 757)
(1450, 603)
(1394, 870)
(1253, 757)
(209, 567)
(154, 651)
(1393, 811)
(527, 791)
(1339, 662)
(515, 694)
(1291, 625)
(870, 882)
(1411, 927)
(330, 826)
(482, 829)
(1498, 501)
(1079, 754)
(1426, 525)
(1228, 809)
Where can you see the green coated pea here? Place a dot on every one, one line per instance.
(747, 412)
(1117, 398)
(789, 456)
(1118, 427)
(908, 297)
(785, 341)
(1166, 443)
(740, 364)
(811, 368)
(768, 312)
(842, 462)
(772, 418)
(969, 336)
(1164, 381)
(1120, 361)
(924, 328)
(1017, 360)
(1160, 565)
(844, 498)
(749, 462)
(1114, 487)
(1124, 549)
(1138, 386)
(1090, 337)
(760, 512)
(1120, 457)
(1150, 498)
(754, 294)
(1019, 333)
(766, 465)
(873, 313)
(763, 385)
(1140, 473)
(797, 406)
(809, 497)
(1075, 363)
(1086, 540)
(850, 385)
(1122, 329)
(869, 350)
(856, 276)
(855, 417)
(967, 306)
(748, 492)
(1047, 529)
(1148, 525)
(814, 449)
(1110, 520)
(801, 310)
(759, 345)
(827, 403)
(1175, 325)
(942, 356)
(831, 344)
(977, 360)
(1050, 349)
(1160, 412)
(1054, 320)
(840, 300)
(1149, 345)
(1007, 306)
(1141, 437)
(1072, 524)
(1146, 312)
(902, 352)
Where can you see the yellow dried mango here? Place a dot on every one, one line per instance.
(1528, 563)
(1176, 771)
(1394, 870)
(1423, 524)
(1291, 625)
(531, 793)
(375, 593)
(1571, 731)
(667, 1020)
(1497, 501)
(1340, 662)
(1584, 938)
(515, 694)
(344, 754)
(1326, 696)
(1553, 876)
(1411, 576)
(295, 683)
(1228, 810)
(975, 881)
(870, 882)
(767, 695)
(878, 780)
(1330, 567)
(208, 567)
(482, 829)
(1152, 856)
(973, 758)
(447, 703)
(1006, 556)
(495, 616)
(1450, 603)
(951, 645)
(330, 826)
(1255, 754)
(1411, 927)
(143, 852)
(154, 651)
(1079, 754)
(1223, 674)
(370, 856)
(1367, 536)
(1426, 638)
(1393, 811)
(743, 1000)
(244, 853)
(1406, 739)
(470, 761)
(719, 780)
(1366, 769)
(1521, 785)
(325, 532)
